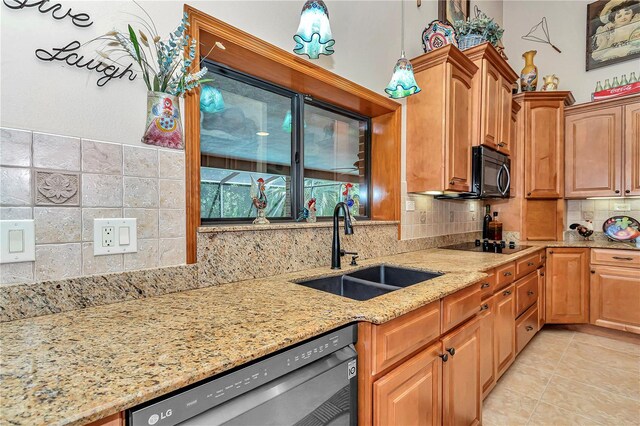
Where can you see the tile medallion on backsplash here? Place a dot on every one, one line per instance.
(15, 189)
(15, 147)
(57, 188)
(56, 152)
(101, 157)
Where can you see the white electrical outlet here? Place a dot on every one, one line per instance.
(113, 236)
(622, 207)
(472, 207)
(410, 206)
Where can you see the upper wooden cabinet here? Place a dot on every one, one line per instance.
(439, 122)
(543, 140)
(492, 86)
(602, 149)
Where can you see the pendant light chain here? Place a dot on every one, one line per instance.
(402, 29)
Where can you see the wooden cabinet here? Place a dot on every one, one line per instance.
(615, 297)
(526, 293)
(487, 345)
(542, 272)
(459, 306)
(439, 122)
(113, 420)
(632, 148)
(526, 328)
(504, 337)
(492, 109)
(593, 152)
(461, 392)
(411, 393)
(567, 286)
(602, 149)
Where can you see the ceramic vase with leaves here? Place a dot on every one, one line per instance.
(529, 74)
(164, 126)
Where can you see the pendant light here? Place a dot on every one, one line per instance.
(313, 37)
(403, 83)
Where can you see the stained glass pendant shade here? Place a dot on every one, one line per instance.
(313, 37)
(403, 83)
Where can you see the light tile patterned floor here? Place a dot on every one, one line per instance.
(568, 378)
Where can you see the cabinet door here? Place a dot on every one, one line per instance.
(615, 298)
(461, 389)
(542, 272)
(543, 149)
(505, 329)
(567, 286)
(632, 149)
(593, 154)
(490, 106)
(487, 346)
(504, 141)
(411, 393)
(458, 144)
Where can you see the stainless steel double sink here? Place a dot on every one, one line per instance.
(367, 283)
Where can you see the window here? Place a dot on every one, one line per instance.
(301, 148)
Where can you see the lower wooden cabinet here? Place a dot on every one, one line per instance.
(542, 275)
(461, 393)
(567, 286)
(615, 297)
(504, 329)
(526, 327)
(487, 345)
(411, 393)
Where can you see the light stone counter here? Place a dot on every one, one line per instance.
(79, 366)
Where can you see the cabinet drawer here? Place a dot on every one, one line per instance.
(459, 306)
(630, 258)
(488, 285)
(505, 275)
(526, 328)
(527, 265)
(526, 293)
(398, 338)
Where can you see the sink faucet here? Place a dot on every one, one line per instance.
(336, 253)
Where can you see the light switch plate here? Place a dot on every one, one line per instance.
(26, 253)
(113, 236)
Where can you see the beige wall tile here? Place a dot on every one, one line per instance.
(147, 221)
(16, 213)
(145, 257)
(172, 194)
(140, 192)
(56, 152)
(11, 273)
(101, 157)
(56, 261)
(88, 215)
(99, 264)
(15, 147)
(57, 224)
(142, 162)
(172, 251)
(15, 187)
(171, 164)
(101, 190)
(172, 223)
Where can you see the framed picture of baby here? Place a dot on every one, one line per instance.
(613, 32)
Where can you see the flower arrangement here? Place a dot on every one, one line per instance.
(482, 26)
(164, 64)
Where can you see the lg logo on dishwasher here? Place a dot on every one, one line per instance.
(153, 419)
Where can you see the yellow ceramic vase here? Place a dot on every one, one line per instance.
(529, 74)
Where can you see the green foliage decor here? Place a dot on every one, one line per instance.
(481, 25)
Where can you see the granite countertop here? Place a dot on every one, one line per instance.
(605, 244)
(79, 366)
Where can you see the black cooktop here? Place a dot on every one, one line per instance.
(487, 246)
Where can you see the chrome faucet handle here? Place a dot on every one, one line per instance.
(353, 260)
(344, 252)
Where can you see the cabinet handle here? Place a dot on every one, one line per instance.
(485, 285)
(444, 357)
(484, 307)
(452, 351)
(529, 328)
(551, 252)
(506, 293)
(506, 274)
(617, 191)
(627, 191)
(622, 258)
(501, 144)
(542, 274)
(452, 182)
(530, 293)
(530, 264)
(528, 194)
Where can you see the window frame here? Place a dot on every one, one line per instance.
(298, 102)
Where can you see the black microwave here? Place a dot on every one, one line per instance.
(490, 176)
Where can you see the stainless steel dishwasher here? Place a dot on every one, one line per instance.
(311, 384)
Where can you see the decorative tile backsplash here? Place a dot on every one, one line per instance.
(598, 211)
(63, 183)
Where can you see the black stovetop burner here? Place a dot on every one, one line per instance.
(487, 246)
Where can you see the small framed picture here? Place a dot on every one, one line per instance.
(613, 32)
(453, 10)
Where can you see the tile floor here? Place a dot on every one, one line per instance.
(568, 378)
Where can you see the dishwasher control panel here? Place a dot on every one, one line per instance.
(174, 409)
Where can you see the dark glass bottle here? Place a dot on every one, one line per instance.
(485, 223)
(495, 228)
